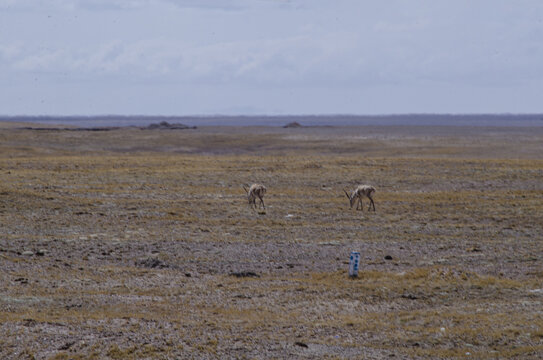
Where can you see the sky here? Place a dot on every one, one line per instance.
(270, 57)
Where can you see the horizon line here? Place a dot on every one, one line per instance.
(4, 116)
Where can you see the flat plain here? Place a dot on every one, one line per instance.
(140, 244)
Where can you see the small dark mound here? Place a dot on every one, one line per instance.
(301, 344)
(293, 124)
(244, 274)
(164, 125)
(152, 263)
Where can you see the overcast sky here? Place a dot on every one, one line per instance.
(200, 57)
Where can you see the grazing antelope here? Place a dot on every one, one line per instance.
(255, 191)
(358, 193)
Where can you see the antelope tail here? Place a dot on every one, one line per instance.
(244, 188)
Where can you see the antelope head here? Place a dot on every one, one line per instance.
(352, 198)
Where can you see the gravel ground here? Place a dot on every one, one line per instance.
(140, 244)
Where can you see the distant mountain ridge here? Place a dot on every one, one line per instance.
(280, 120)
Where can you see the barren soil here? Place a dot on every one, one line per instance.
(133, 244)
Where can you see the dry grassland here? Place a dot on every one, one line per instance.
(123, 244)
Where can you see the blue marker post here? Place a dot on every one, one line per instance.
(354, 263)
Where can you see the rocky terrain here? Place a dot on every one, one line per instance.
(131, 244)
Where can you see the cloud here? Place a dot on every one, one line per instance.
(126, 5)
(351, 47)
(9, 52)
(121, 5)
(298, 59)
(340, 58)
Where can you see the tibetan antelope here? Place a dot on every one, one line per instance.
(255, 191)
(358, 193)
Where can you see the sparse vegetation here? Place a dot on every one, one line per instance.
(126, 244)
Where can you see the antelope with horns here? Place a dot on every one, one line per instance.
(255, 191)
(358, 193)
